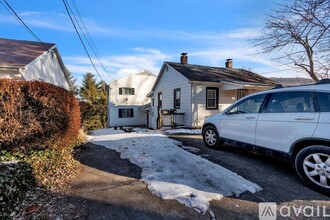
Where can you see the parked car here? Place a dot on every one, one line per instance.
(292, 123)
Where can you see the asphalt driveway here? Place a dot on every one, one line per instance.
(111, 187)
(278, 180)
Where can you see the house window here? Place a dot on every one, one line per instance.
(241, 93)
(126, 91)
(212, 95)
(126, 113)
(160, 100)
(177, 98)
(52, 54)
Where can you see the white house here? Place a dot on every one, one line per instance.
(29, 60)
(128, 101)
(194, 92)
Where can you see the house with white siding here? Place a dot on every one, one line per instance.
(29, 60)
(185, 94)
(128, 101)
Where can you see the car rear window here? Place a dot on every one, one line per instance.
(290, 102)
(324, 101)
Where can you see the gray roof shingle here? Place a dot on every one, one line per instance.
(219, 74)
(19, 53)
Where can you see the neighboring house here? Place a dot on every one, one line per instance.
(128, 101)
(194, 92)
(29, 60)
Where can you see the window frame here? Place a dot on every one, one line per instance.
(175, 106)
(130, 89)
(130, 114)
(314, 105)
(160, 100)
(320, 107)
(216, 107)
(261, 107)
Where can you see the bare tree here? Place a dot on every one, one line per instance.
(299, 31)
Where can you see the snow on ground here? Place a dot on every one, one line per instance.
(173, 173)
(183, 131)
(191, 149)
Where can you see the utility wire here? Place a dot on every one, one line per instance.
(12, 11)
(83, 28)
(82, 42)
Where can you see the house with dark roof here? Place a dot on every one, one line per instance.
(185, 94)
(29, 60)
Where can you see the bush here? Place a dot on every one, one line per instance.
(38, 115)
(15, 180)
(39, 124)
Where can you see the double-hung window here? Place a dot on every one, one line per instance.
(126, 91)
(212, 98)
(160, 100)
(177, 98)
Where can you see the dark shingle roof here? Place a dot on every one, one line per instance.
(19, 53)
(218, 74)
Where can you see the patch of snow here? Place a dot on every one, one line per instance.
(183, 131)
(106, 131)
(191, 149)
(12, 162)
(141, 130)
(173, 173)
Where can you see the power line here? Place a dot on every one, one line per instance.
(84, 30)
(12, 11)
(82, 42)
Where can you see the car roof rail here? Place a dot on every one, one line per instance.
(323, 81)
(278, 86)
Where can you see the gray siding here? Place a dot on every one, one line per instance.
(138, 119)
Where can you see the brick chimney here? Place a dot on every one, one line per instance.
(184, 58)
(229, 63)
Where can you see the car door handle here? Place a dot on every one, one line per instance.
(250, 117)
(304, 119)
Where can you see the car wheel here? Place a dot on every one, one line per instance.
(211, 137)
(313, 167)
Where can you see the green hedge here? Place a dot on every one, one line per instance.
(15, 180)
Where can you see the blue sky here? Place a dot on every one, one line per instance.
(133, 35)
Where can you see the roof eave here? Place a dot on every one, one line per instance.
(63, 68)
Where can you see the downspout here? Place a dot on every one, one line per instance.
(191, 105)
(108, 104)
(21, 72)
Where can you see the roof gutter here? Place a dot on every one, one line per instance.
(231, 83)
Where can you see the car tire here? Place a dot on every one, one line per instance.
(313, 167)
(211, 137)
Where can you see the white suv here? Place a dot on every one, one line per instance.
(291, 123)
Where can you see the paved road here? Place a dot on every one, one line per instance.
(277, 178)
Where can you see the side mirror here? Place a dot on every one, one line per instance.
(226, 112)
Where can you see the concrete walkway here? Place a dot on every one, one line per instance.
(110, 188)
